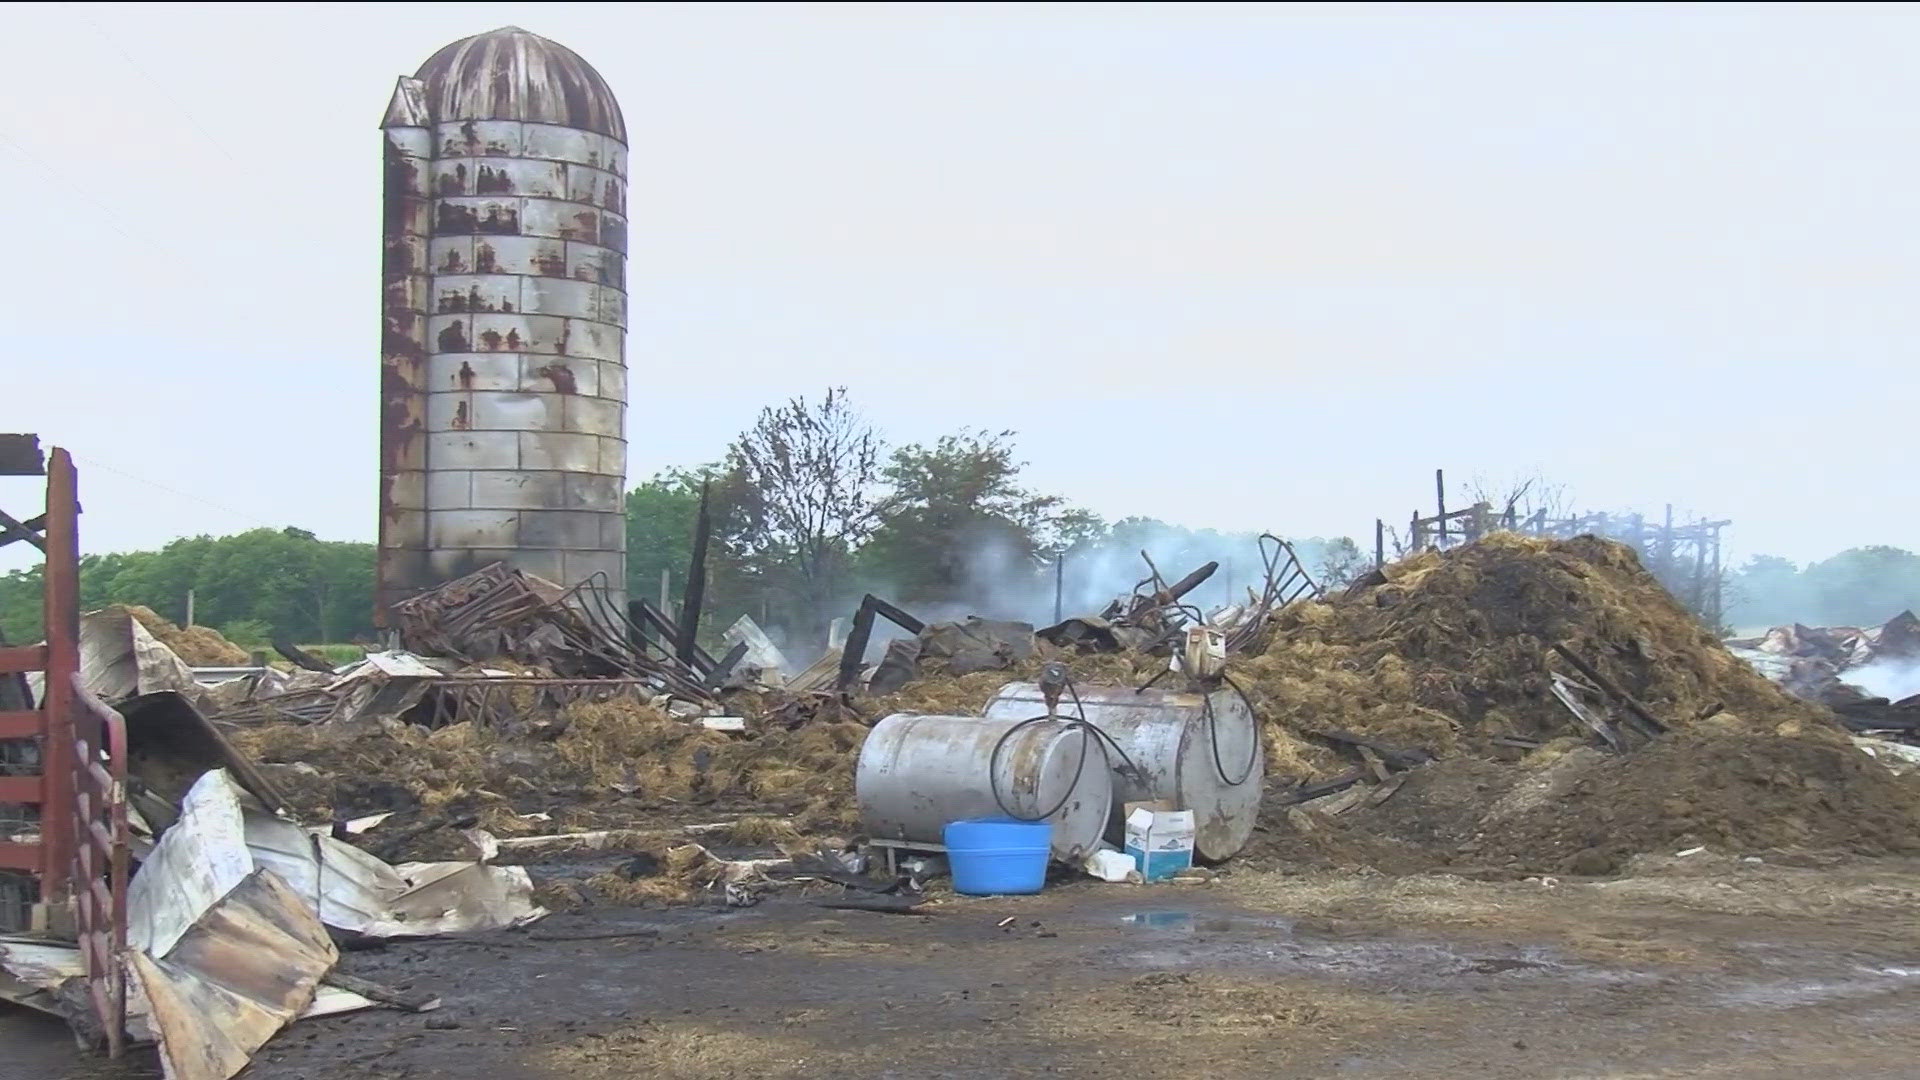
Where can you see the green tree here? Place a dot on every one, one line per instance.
(956, 506)
(287, 580)
(1767, 591)
(1863, 586)
(660, 517)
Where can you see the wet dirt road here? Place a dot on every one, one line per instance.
(1740, 972)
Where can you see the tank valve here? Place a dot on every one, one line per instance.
(1053, 683)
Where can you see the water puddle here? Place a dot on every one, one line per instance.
(1173, 939)
(1793, 993)
(1190, 922)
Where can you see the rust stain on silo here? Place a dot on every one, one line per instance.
(454, 337)
(562, 377)
(466, 375)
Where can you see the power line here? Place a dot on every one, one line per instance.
(65, 185)
(156, 83)
(97, 464)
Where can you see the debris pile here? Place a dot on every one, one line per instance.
(1843, 667)
(234, 909)
(1452, 656)
(1458, 684)
(198, 646)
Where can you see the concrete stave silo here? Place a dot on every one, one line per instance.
(504, 371)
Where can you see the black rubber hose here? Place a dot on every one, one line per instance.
(1213, 735)
(1088, 734)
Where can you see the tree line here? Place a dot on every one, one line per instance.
(809, 508)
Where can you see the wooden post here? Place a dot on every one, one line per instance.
(1700, 576)
(1666, 544)
(1440, 497)
(189, 607)
(1717, 579)
(1379, 543)
(1414, 536)
(695, 592)
(665, 574)
(61, 620)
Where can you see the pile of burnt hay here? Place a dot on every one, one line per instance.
(610, 765)
(1570, 809)
(1453, 650)
(807, 772)
(198, 646)
(1718, 784)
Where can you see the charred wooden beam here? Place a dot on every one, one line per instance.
(696, 590)
(299, 657)
(725, 667)
(854, 652)
(1612, 689)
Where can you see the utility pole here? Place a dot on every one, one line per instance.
(1059, 586)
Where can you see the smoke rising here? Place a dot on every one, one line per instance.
(1892, 678)
(1001, 581)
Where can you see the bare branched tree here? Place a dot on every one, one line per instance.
(1520, 498)
(805, 487)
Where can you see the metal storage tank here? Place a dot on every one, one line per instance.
(1168, 736)
(503, 355)
(917, 773)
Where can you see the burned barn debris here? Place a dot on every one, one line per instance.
(1510, 704)
(1827, 664)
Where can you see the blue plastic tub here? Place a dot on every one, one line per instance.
(998, 856)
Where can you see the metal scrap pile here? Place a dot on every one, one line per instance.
(1840, 667)
(495, 647)
(234, 907)
(1151, 621)
(499, 613)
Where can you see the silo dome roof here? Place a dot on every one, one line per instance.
(511, 74)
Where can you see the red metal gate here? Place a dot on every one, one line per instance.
(100, 858)
(81, 849)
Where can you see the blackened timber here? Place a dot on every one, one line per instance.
(854, 652)
(667, 632)
(726, 665)
(695, 593)
(895, 615)
(1612, 689)
(1191, 582)
(1310, 792)
(299, 657)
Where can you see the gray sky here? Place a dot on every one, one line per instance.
(1233, 268)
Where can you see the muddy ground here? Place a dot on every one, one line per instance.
(1705, 966)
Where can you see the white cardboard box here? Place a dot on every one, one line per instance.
(1160, 840)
